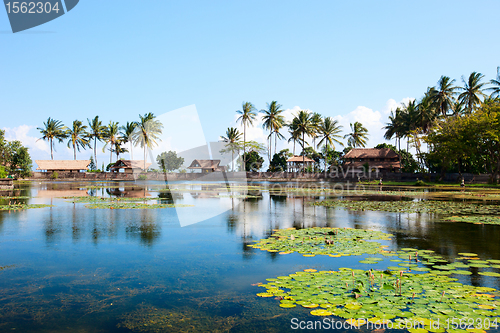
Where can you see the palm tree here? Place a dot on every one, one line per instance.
(247, 116)
(126, 135)
(53, 129)
(427, 112)
(304, 126)
(117, 148)
(442, 96)
(111, 136)
(409, 119)
(358, 135)
(147, 131)
(232, 138)
(316, 121)
(294, 134)
(496, 83)
(96, 132)
(472, 91)
(329, 130)
(78, 136)
(273, 121)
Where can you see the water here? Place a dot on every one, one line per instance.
(68, 268)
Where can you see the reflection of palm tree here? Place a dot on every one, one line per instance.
(97, 131)
(78, 136)
(232, 139)
(472, 91)
(54, 129)
(146, 133)
(247, 116)
(358, 135)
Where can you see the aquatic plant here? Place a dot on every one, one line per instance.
(23, 206)
(335, 242)
(131, 205)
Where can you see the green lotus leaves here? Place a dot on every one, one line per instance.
(335, 242)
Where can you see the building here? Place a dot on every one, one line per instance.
(206, 166)
(129, 166)
(381, 159)
(296, 163)
(63, 165)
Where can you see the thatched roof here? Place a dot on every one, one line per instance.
(389, 165)
(371, 153)
(300, 159)
(62, 165)
(129, 164)
(205, 164)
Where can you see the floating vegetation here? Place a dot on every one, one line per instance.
(131, 205)
(15, 197)
(335, 242)
(480, 219)
(23, 206)
(86, 199)
(429, 299)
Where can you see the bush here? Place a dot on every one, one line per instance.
(142, 177)
(420, 183)
(54, 175)
(3, 173)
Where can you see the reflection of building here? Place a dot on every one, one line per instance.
(129, 166)
(383, 159)
(296, 163)
(63, 165)
(206, 166)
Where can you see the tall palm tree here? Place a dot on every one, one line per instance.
(472, 91)
(96, 132)
(294, 134)
(427, 112)
(496, 85)
(111, 136)
(393, 127)
(126, 135)
(304, 126)
(329, 130)
(247, 116)
(53, 129)
(273, 121)
(443, 96)
(78, 136)
(358, 135)
(232, 139)
(147, 131)
(316, 120)
(409, 120)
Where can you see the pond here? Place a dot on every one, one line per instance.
(93, 258)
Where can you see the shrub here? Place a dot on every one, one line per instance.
(3, 173)
(142, 177)
(420, 183)
(54, 175)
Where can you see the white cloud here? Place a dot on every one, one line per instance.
(20, 133)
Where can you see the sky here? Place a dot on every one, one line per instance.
(351, 60)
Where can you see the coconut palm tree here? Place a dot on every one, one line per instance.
(316, 121)
(427, 112)
(472, 92)
(273, 121)
(294, 134)
(232, 139)
(78, 137)
(304, 125)
(96, 132)
(358, 135)
(329, 130)
(147, 131)
(247, 116)
(126, 135)
(53, 129)
(393, 127)
(496, 85)
(409, 120)
(111, 137)
(443, 96)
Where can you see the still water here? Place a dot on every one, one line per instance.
(68, 268)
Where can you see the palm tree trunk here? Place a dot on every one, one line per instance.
(95, 155)
(74, 150)
(144, 158)
(293, 147)
(51, 153)
(131, 153)
(275, 141)
(244, 145)
(303, 152)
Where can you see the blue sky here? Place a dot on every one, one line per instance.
(354, 60)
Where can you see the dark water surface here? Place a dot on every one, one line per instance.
(68, 268)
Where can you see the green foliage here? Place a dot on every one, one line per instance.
(168, 161)
(253, 161)
(92, 166)
(54, 175)
(19, 160)
(3, 173)
(420, 183)
(142, 177)
(278, 163)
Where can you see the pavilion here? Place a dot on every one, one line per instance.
(63, 165)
